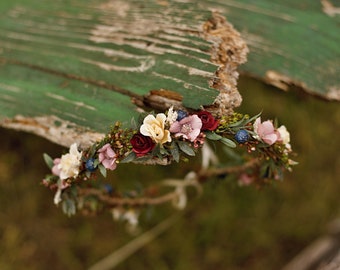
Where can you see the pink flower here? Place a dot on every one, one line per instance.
(188, 128)
(266, 131)
(107, 157)
(55, 168)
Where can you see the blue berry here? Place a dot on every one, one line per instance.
(242, 136)
(181, 114)
(108, 188)
(89, 165)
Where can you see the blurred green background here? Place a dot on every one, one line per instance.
(229, 227)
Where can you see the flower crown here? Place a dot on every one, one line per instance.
(160, 139)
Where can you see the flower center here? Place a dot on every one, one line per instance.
(186, 128)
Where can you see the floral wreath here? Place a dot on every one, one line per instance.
(160, 139)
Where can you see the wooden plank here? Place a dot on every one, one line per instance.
(291, 42)
(94, 62)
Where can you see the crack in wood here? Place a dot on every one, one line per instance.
(102, 84)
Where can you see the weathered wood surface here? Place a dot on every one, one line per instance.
(95, 62)
(70, 66)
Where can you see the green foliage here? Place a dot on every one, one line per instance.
(48, 160)
(186, 148)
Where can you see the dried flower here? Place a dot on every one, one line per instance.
(266, 131)
(141, 144)
(188, 128)
(172, 116)
(69, 163)
(208, 120)
(107, 157)
(154, 127)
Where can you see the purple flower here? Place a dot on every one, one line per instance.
(189, 127)
(107, 157)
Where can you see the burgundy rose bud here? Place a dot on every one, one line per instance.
(141, 144)
(208, 120)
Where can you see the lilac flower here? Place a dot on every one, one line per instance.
(107, 157)
(189, 127)
(266, 131)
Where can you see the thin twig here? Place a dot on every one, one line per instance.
(208, 173)
(117, 201)
(121, 254)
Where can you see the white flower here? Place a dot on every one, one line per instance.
(284, 135)
(154, 127)
(130, 216)
(69, 163)
(172, 116)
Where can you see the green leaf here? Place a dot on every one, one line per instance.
(186, 148)
(96, 162)
(69, 207)
(88, 174)
(129, 157)
(174, 151)
(48, 160)
(253, 118)
(212, 136)
(163, 151)
(228, 142)
(102, 170)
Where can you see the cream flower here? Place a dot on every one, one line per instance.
(284, 136)
(154, 127)
(69, 163)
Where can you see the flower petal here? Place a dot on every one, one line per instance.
(175, 127)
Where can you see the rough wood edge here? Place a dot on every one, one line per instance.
(284, 83)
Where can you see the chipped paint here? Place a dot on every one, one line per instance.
(76, 103)
(279, 80)
(329, 8)
(191, 70)
(10, 88)
(333, 93)
(145, 65)
(54, 129)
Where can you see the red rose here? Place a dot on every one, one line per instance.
(208, 120)
(141, 144)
